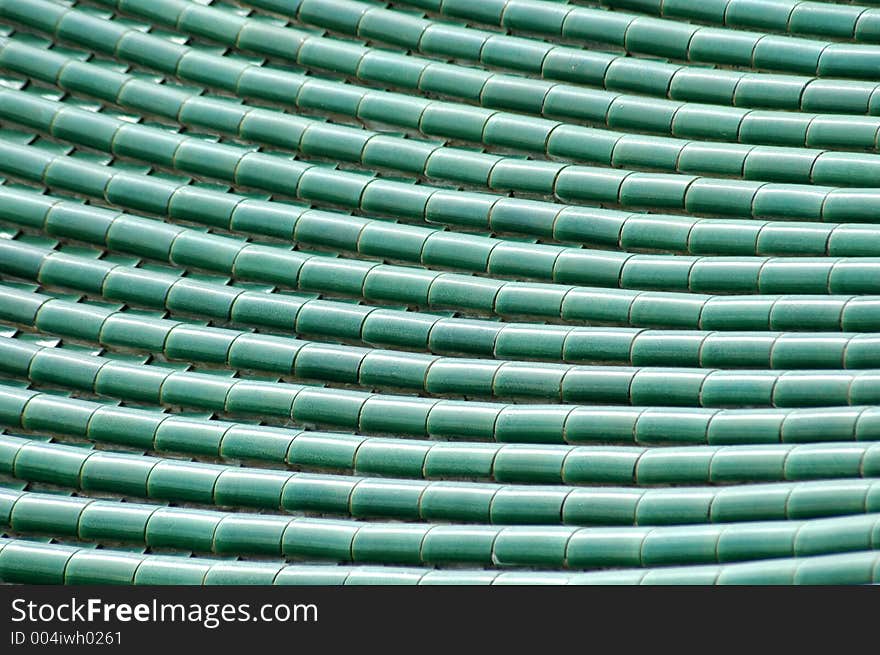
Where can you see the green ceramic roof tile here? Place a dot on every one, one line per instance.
(369, 291)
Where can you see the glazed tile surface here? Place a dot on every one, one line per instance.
(439, 292)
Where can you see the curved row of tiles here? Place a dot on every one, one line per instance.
(403, 415)
(27, 162)
(639, 34)
(568, 182)
(368, 21)
(528, 56)
(198, 483)
(812, 480)
(813, 19)
(24, 561)
(492, 90)
(429, 245)
(464, 166)
(218, 532)
(463, 210)
(798, 457)
(723, 87)
(497, 259)
(211, 296)
(446, 336)
(499, 129)
(830, 20)
(447, 375)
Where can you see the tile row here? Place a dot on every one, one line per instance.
(244, 167)
(439, 248)
(412, 500)
(383, 414)
(508, 130)
(384, 282)
(510, 462)
(225, 533)
(204, 204)
(536, 472)
(202, 296)
(616, 73)
(829, 20)
(474, 378)
(31, 562)
(517, 341)
(425, 245)
(432, 160)
(551, 100)
(673, 38)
